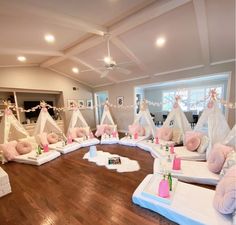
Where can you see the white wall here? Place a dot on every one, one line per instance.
(41, 79)
(124, 118)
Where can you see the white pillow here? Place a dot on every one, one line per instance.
(177, 136)
(203, 145)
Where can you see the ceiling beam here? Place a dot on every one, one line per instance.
(16, 51)
(92, 68)
(56, 18)
(201, 16)
(116, 41)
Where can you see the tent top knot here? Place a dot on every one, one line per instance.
(213, 94)
(43, 104)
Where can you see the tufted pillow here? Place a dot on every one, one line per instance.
(193, 143)
(177, 136)
(217, 157)
(203, 145)
(225, 195)
(229, 162)
(9, 150)
(52, 138)
(189, 134)
(23, 147)
(165, 133)
(100, 130)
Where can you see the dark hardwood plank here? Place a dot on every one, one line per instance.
(70, 190)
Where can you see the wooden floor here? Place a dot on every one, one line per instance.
(70, 190)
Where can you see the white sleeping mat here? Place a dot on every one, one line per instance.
(5, 187)
(106, 140)
(64, 149)
(87, 142)
(131, 141)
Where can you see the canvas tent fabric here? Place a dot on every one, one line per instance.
(213, 123)
(187, 207)
(106, 116)
(11, 128)
(231, 138)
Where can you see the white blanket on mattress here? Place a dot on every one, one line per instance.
(191, 205)
(62, 148)
(131, 141)
(87, 142)
(105, 139)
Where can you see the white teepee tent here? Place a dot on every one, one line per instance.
(11, 128)
(45, 123)
(106, 116)
(144, 118)
(231, 138)
(213, 122)
(177, 119)
(77, 120)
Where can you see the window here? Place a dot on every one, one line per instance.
(194, 99)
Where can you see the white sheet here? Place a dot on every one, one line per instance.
(127, 165)
(88, 142)
(185, 154)
(31, 158)
(59, 146)
(191, 172)
(191, 205)
(131, 141)
(106, 140)
(148, 145)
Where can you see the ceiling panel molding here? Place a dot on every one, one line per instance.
(18, 65)
(116, 41)
(201, 17)
(57, 18)
(16, 51)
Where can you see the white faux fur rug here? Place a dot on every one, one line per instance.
(101, 159)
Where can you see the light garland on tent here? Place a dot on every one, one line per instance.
(212, 96)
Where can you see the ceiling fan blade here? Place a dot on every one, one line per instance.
(105, 73)
(123, 70)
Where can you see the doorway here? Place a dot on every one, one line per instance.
(100, 99)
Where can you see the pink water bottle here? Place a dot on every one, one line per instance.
(69, 139)
(172, 149)
(176, 163)
(163, 189)
(114, 133)
(157, 140)
(136, 136)
(45, 148)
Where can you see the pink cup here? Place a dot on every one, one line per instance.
(69, 140)
(163, 189)
(156, 140)
(136, 136)
(114, 134)
(176, 164)
(172, 149)
(45, 148)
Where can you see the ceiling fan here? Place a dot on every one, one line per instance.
(110, 64)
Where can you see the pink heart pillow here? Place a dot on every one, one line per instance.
(23, 147)
(100, 130)
(193, 143)
(9, 150)
(165, 133)
(225, 195)
(52, 138)
(217, 157)
(43, 138)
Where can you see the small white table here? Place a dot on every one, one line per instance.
(5, 187)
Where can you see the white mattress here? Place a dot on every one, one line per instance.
(33, 159)
(59, 146)
(190, 205)
(191, 172)
(88, 142)
(185, 154)
(106, 140)
(131, 141)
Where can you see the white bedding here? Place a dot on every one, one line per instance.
(33, 159)
(191, 172)
(148, 145)
(191, 205)
(131, 141)
(105, 139)
(185, 154)
(88, 142)
(64, 149)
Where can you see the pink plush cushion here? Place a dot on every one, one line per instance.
(136, 128)
(52, 138)
(217, 157)
(73, 132)
(189, 134)
(164, 133)
(9, 150)
(43, 139)
(108, 130)
(225, 195)
(193, 143)
(80, 132)
(100, 130)
(23, 147)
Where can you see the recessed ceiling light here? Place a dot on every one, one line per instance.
(75, 70)
(160, 41)
(107, 60)
(49, 38)
(21, 58)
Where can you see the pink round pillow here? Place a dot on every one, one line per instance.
(225, 195)
(80, 132)
(217, 157)
(52, 138)
(193, 143)
(165, 133)
(23, 147)
(108, 130)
